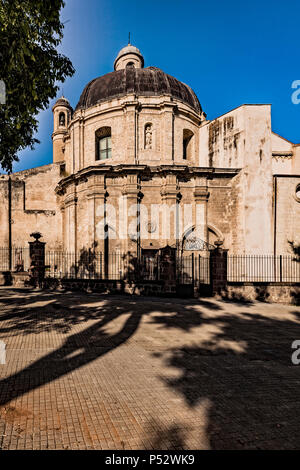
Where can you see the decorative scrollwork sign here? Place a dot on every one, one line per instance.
(196, 244)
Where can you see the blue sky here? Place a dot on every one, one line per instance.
(230, 52)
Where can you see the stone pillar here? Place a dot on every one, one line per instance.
(169, 198)
(167, 268)
(218, 270)
(96, 196)
(37, 260)
(201, 196)
(132, 193)
(71, 210)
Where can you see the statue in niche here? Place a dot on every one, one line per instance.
(62, 119)
(148, 137)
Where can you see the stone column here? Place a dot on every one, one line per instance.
(81, 142)
(168, 110)
(130, 109)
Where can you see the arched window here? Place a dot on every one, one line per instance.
(187, 144)
(103, 143)
(62, 119)
(130, 65)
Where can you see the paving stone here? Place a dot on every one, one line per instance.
(101, 372)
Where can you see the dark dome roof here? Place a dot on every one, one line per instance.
(144, 81)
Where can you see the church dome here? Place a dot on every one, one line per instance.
(149, 81)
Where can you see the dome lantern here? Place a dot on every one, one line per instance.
(129, 56)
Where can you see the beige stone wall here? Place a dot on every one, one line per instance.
(296, 160)
(242, 139)
(127, 118)
(236, 200)
(222, 212)
(258, 181)
(282, 155)
(222, 141)
(216, 199)
(287, 213)
(35, 207)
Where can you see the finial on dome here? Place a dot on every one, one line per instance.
(129, 56)
(129, 38)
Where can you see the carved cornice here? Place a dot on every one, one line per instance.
(201, 194)
(60, 132)
(40, 211)
(124, 170)
(97, 193)
(70, 200)
(281, 156)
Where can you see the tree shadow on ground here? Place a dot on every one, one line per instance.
(242, 366)
(246, 372)
(47, 312)
(171, 437)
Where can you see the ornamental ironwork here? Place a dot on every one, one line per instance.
(196, 244)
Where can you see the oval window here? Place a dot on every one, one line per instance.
(297, 193)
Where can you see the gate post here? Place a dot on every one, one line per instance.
(37, 259)
(193, 270)
(218, 269)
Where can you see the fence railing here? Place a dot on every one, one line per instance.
(189, 269)
(263, 268)
(20, 259)
(193, 269)
(90, 265)
(121, 266)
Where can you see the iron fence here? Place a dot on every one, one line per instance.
(263, 268)
(20, 259)
(121, 266)
(193, 269)
(189, 269)
(89, 265)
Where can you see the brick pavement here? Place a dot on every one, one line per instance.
(100, 372)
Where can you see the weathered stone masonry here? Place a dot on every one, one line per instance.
(141, 135)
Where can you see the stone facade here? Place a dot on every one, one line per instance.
(236, 178)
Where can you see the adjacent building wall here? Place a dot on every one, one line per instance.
(287, 223)
(34, 207)
(242, 139)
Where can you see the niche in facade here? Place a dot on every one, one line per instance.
(148, 136)
(187, 142)
(62, 119)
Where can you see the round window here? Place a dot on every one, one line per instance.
(297, 193)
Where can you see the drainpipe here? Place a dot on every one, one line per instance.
(275, 213)
(9, 226)
(173, 137)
